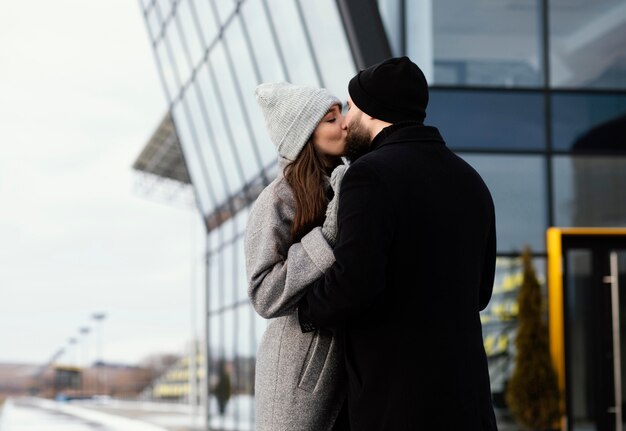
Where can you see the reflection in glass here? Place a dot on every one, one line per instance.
(590, 191)
(500, 319)
(517, 184)
(488, 120)
(587, 44)
(182, 62)
(579, 335)
(589, 122)
(478, 42)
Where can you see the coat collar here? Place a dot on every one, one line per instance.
(406, 131)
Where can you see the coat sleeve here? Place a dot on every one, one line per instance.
(489, 268)
(365, 233)
(278, 272)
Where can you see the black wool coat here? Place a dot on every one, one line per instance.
(415, 262)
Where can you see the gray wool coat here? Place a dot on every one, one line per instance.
(299, 381)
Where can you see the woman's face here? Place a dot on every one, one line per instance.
(329, 137)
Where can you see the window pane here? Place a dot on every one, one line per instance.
(589, 122)
(227, 254)
(255, 20)
(231, 105)
(225, 8)
(331, 47)
(588, 44)
(206, 20)
(517, 184)
(488, 120)
(167, 69)
(590, 191)
(164, 7)
(391, 14)
(154, 24)
(476, 42)
(223, 148)
(179, 52)
(247, 80)
(499, 322)
(184, 126)
(240, 282)
(206, 145)
(215, 277)
(190, 32)
(293, 42)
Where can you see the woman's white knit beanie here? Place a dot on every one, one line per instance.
(292, 112)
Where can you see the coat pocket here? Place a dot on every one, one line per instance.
(315, 360)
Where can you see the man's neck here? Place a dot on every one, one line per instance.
(377, 127)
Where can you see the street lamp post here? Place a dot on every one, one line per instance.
(84, 330)
(99, 317)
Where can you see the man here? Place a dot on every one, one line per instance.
(415, 262)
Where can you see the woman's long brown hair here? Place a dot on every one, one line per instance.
(305, 176)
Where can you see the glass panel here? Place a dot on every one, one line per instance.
(167, 70)
(331, 46)
(154, 24)
(218, 129)
(621, 273)
(186, 137)
(241, 281)
(499, 323)
(164, 7)
(224, 8)
(579, 336)
(232, 107)
(227, 255)
(255, 19)
(190, 32)
(589, 122)
(391, 14)
(179, 51)
(293, 42)
(215, 277)
(588, 44)
(206, 20)
(207, 156)
(245, 368)
(517, 184)
(221, 371)
(589, 191)
(248, 80)
(476, 42)
(488, 120)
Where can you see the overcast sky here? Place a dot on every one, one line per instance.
(79, 98)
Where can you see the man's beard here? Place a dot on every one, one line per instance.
(357, 141)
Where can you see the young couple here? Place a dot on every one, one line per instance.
(372, 275)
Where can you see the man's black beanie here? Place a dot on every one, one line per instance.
(392, 90)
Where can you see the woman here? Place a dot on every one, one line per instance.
(299, 383)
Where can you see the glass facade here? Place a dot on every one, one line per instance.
(532, 94)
